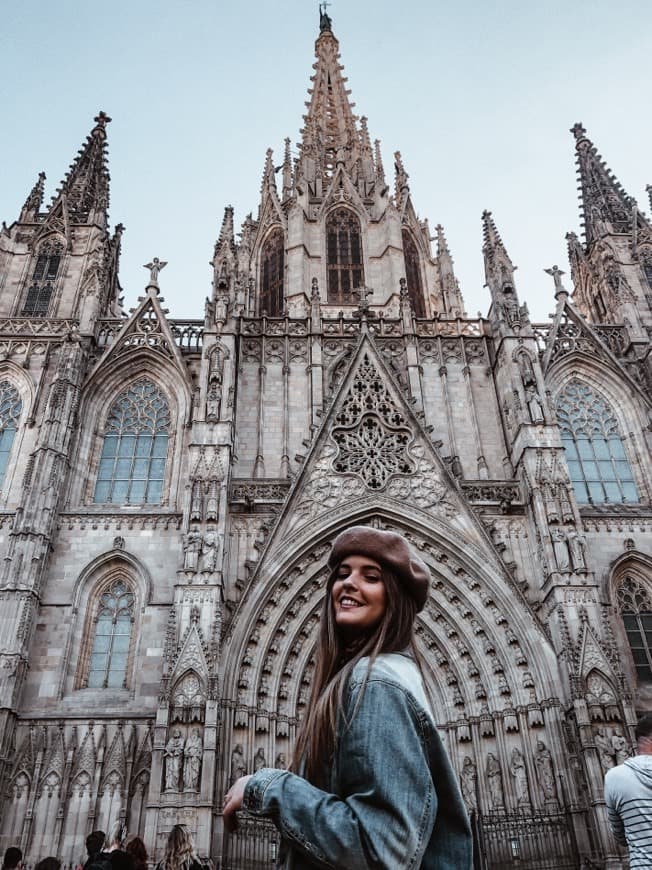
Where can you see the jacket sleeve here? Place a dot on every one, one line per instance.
(615, 822)
(385, 812)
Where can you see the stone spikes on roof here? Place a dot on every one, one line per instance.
(34, 201)
(492, 242)
(606, 207)
(86, 186)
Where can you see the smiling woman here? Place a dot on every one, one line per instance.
(370, 784)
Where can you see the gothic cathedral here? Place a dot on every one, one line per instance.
(170, 489)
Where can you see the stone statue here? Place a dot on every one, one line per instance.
(534, 404)
(552, 511)
(619, 746)
(196, 501)
(517, 770)
(560, 547)
(545, 771)
(213, 402)
(192, 755)
(191, 550)
(173, 754)
(238, 766)
(213, 500)
(468, 781)
(605, 750)
(495, 782)
(577, 544)
(259, 759)
(281, 763)
(209, 553)
(325, 22)
(154, 268)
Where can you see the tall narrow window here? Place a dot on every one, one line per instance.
(110, 649)
(636, 610)
(132, 465)
(594, 448)
(647, 269)
(271, 274)
(413, 274)
(10, 408)
(39, 293)
(343, 256)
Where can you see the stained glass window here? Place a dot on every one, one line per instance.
(271, 274)
(636, 611)
(343, 256)
(595, 452)
(110, 651)
(39, 293)
(132, 465)
(10, 408)
(413, 274)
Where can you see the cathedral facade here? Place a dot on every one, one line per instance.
(169, 490)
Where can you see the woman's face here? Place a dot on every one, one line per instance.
(358, 594)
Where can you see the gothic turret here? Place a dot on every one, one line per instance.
(499, 273)
(34, 201)
(450, 288)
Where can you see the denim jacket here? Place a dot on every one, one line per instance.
(393, 801)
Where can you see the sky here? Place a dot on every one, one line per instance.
(478, 97)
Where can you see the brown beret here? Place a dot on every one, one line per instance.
(390, 550)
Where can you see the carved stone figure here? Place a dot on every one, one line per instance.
(545, 771)
(213, 500)
(565, 503)
(259, 759)
(468, 781)
(214, 402)
(534, 404)
(154, 268)
(191, 550)
(619, 746)
(209, 553)
(238, 766)
(281, 763)
(197, 501)
(517, 770)
(560, 547)
(192, 755)
(550, 502)
(495, 782)
(577, 544)
(605, 749)
(173, 754)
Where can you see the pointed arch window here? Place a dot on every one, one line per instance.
(112, 637)
(10, 409)
(597, 461)
(46, 268)
(635, 605)
(647, 268)
(343, 256)
(132, 464)
(413, 274)
(272, 269)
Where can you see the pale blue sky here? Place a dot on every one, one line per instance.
(478, 97)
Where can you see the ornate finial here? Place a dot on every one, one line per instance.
(101, 120)
(578, 131)
(325, 21)
(362, 312)
(154, 268)
(648, 188)
(556, 273)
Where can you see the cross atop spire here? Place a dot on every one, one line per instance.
(606, 207)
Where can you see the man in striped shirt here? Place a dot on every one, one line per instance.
(628, 795)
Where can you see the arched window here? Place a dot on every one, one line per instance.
(39, 293)
(647, 268)
(343, 256)
(594, 448)
(132, 465)
(10, 408)
(110, 647)
(272, 263)
(635, 605)
(413, 274)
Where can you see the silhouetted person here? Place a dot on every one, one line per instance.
(13, 858)
(49, 863)
(136, 848)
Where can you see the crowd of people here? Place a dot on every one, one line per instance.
(118, 851)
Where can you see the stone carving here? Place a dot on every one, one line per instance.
(214, 401)
(197, 502)
(560, 548)
(213, 500)
(495, 782)
(259, 759)
(209, 552)
(192, 755)
(577, 545)
(545, 771)
(605, 749)
(192, 548)
(534, 404)
(173, 755)
(238, 766)
(281, 762)
(517, 770)
(154, 268)
(468, 781)
(619, 746)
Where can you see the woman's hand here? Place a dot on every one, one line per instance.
(233, 803)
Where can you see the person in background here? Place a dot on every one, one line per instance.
(120, 860)
(136, 848)
(370, 784)
(180, 851)
(49, 863)
(94, 845)
(628, 796)
(13, 859)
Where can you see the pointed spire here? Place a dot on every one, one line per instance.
(499, 273)
(34, 201)
(287, 171)
(269, 176)
(85, 189)
(378, 158)
(453, 302)
(605, 205)
(226, 238)
(649, 193)
(401, 186)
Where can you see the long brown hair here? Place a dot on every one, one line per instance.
(179, 851)
(335, 660)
